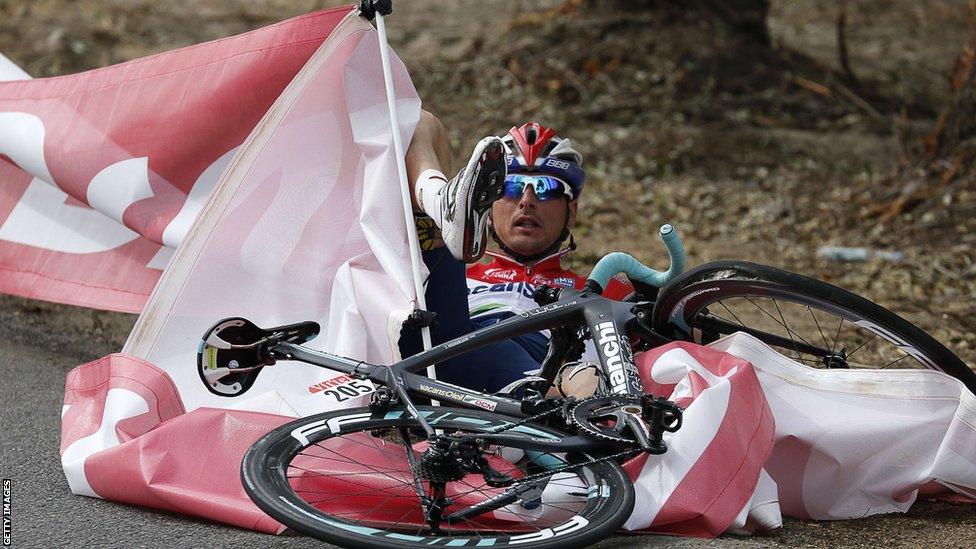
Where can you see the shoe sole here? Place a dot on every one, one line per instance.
(488, 187)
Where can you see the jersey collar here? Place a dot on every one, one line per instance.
(546, 264)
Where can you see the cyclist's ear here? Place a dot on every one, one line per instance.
(571, 208)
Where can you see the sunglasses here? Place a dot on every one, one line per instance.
(545, 187)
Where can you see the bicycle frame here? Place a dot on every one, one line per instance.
(608, 323)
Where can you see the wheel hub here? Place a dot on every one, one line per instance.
(836, 360)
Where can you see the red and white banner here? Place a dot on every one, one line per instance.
(762, 437)
(102, 173)
(711, 480)
(305, 224)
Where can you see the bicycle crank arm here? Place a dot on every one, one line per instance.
(645, 439)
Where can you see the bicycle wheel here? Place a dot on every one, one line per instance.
(815, 323)
(347, 477)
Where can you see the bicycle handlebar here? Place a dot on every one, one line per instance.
(619, 262)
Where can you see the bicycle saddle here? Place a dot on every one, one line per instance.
(234, 350)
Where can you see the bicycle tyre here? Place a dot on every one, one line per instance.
(682, 309)
(607, 500)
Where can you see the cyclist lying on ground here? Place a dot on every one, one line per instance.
(529, 217)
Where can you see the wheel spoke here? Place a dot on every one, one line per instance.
(377, 488)
(398, 521)
(348, 461)
(837, 335)
(896, 361)
(545, 502)
(850, 354)
(815, 314)
(788, 331)
(819, 329)
(726, 307)
(321, 473)
(725, 297)
(336, 475)
(373, 446)
(370, 510)
(369, 490)
(781, 321)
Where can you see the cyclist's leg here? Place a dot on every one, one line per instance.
(486, 369)
(489, 368)
(429, 155)
(446, 290)
(429, 151)
(458, 206)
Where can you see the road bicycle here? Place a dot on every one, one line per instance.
(528, 466)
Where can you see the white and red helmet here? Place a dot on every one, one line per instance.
(534, 148)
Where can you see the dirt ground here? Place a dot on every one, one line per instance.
(757, 155)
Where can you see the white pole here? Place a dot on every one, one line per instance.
(415, 257)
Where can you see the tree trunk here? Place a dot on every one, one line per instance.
(957, 124)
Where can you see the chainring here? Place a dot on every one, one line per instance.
(601, 416)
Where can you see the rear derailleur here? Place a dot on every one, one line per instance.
(447, 459)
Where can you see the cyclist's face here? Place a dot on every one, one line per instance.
(528, 225)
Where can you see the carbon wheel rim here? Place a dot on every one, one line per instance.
(850, 338)
(278, 477)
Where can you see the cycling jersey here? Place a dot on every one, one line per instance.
(495, 291)
(504, 287)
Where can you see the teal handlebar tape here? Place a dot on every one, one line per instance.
(619, 262)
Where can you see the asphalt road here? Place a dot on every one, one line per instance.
(40, 343)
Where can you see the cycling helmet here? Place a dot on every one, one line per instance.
(534, 148)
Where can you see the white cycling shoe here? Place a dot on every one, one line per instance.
(466, 200)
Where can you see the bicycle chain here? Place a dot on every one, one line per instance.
(551, 472)
(529, 419)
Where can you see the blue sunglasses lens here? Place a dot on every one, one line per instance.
(543, 186)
